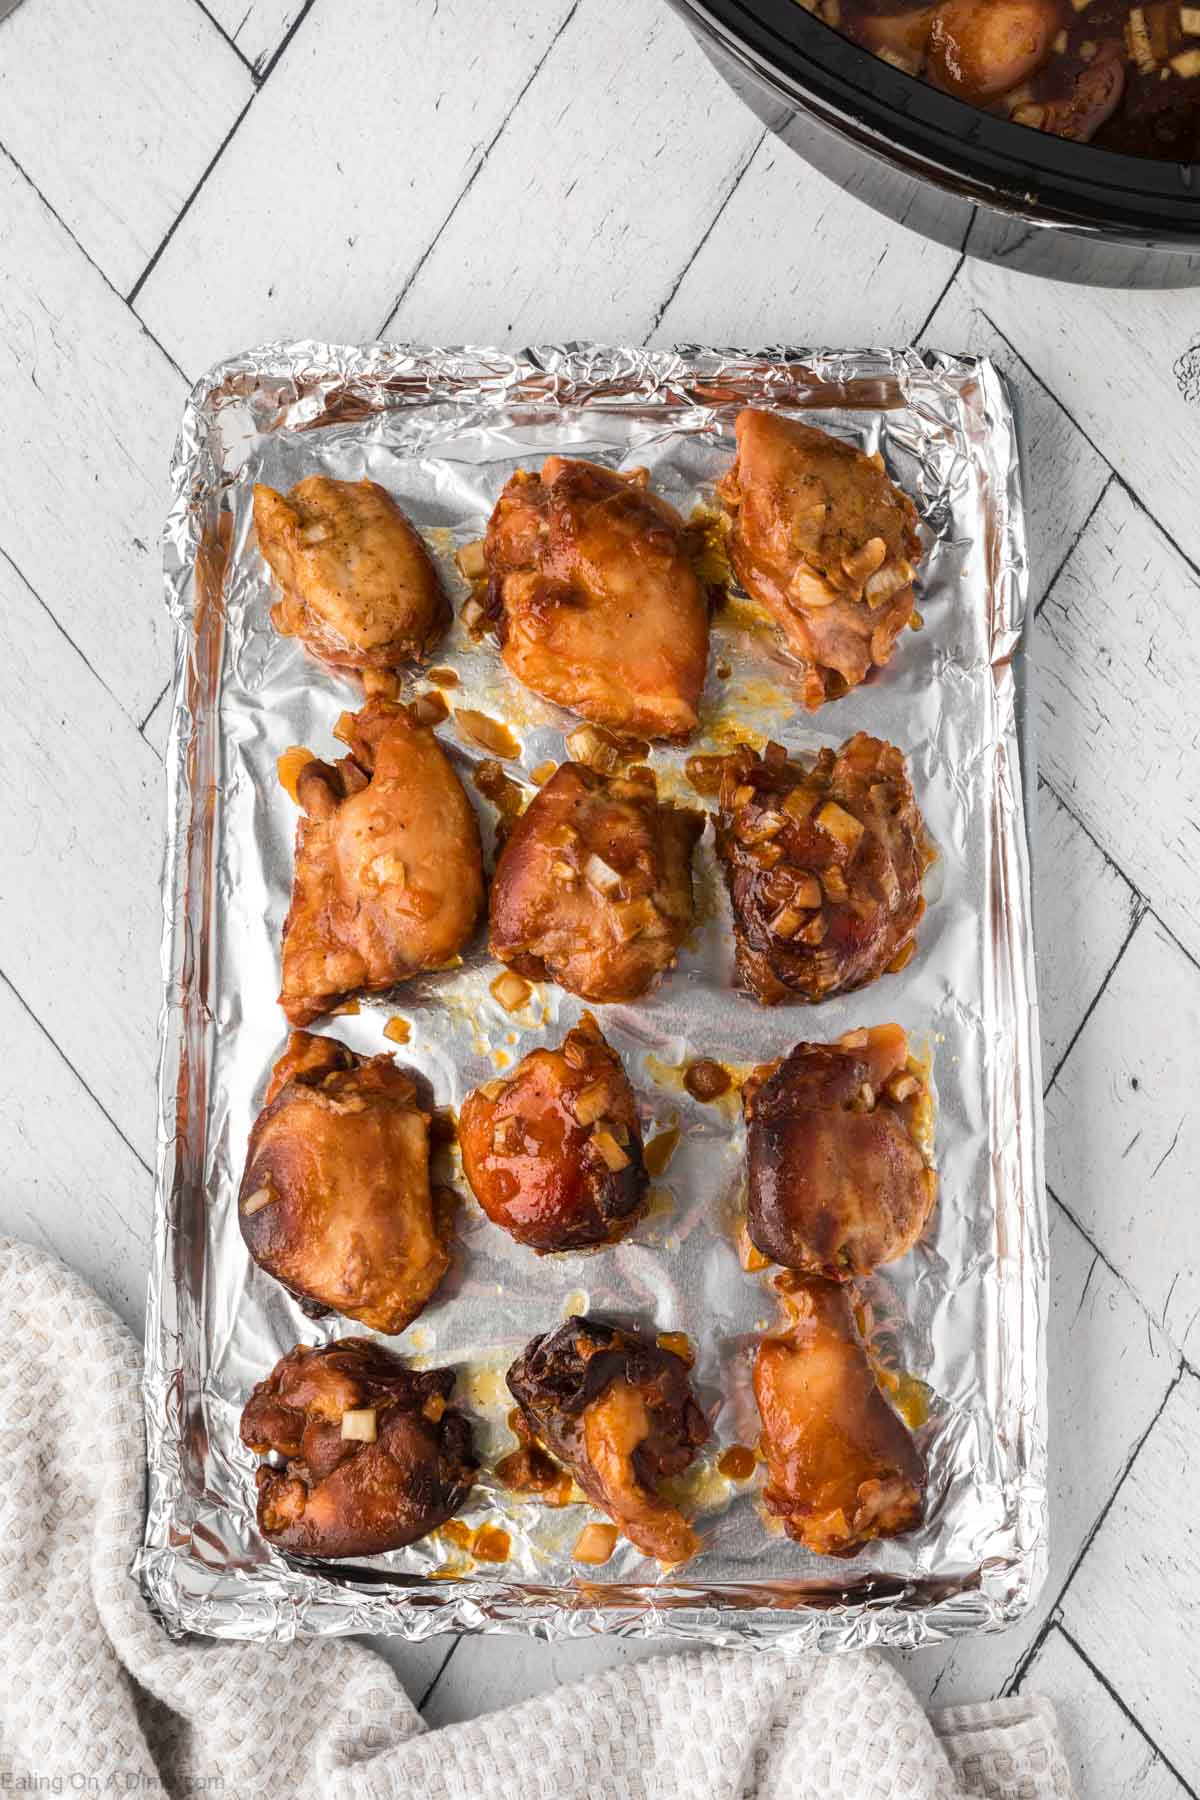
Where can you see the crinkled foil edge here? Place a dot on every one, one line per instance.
(188, 1589)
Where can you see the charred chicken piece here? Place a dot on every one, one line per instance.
(838, 1180)
(824, 867)
(1094, 96)
(375, 1457)
(553, 1152)
(335, 1201)
(593, 888)
(359, 587)
(389, 867)
(595, 600)
(826, 542)
(619, 1411)
(981, 48)
(842, 1467)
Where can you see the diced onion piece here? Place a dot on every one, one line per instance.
(473, 615)
(901, 1086)
(1187, 64)
(591, 1102)
(602, 877)
(398, 1029)
(255, 1202)
(842, 826)
(806, 892)
(1032, 115)
(608, 1147)
(1137, 40)
(595, 1544)
(814, 931)
(597, 749)
(505, 1136)
(434, 1407)
(633, 917)
(295, 758)
(834, 884)
(511, 990)
(787, 922)
(679, 1344)
(1189, 20)
(359, 1426)
(855, 1040)
(472, 560)
(1060, 43)
(806, 588)
(563, 873)
(492, 1090)
(487, 732)
(429, 709)
(866, 559)
(886, 582)
(799, 802)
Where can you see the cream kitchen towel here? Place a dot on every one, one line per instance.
(95, 1698)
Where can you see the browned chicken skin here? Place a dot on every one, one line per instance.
(842, 1468)
(826, 542)
(389, 867)
(619, 1411)
(981, 48)
(595, 600)
(553, 1152)
(824, 867)
(838, 1182)
(335, 1201)
(375, 1457)
(359, 587)
(593, 888)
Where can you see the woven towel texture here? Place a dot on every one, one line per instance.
(96, 1699)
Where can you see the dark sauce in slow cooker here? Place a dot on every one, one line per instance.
(1104, 72)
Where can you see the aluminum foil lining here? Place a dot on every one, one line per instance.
(443, 430)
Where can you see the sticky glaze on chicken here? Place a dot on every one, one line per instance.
(359, 587)
(838, 1181)
(842, 1468)
(375, 1457)
(595, 600)
(553, 1152)
(335, 1201)
(593, 888)
(389, 868)
(619, 1411)
(824, 867)
(826, 542)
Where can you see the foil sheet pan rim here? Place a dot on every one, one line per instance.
(187, 1592)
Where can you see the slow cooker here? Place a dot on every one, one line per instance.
(967, 178)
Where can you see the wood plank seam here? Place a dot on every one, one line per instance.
(962, 257)
(730, 191)
(63, 632)
(1113, 1694)
(220, 30)
(272, 61)
(152, 710)
(1014, 1680)
(90, 1092)
(1069, 552)
(136, 289)
(1141, 910)
(480, 164)
(92, 264)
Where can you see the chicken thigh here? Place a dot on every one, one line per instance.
(982, 48)
(359, 587)
(826, 542)
(838, 1181)
(593, 889)
(824, 867)
(389, 867)
(375, 1457)
(335, 1201)
(842, 1468)
(595, 600)
(619, 1411)
(553, 1152)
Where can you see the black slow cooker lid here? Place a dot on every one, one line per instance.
(946, 140)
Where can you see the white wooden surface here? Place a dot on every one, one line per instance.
(179, 180)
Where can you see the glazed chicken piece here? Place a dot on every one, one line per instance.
(980, 49)
(826, 542)
(824, 867)
(335, 1201)
(1093, 98)
(553, 1152)
(837, 1176)
(593, 889)
(375, 1457)
(389, 867)
(595, 600)
(619, 1411)
(359, 587)
(842, 1468)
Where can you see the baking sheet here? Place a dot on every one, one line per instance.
(443, 430)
